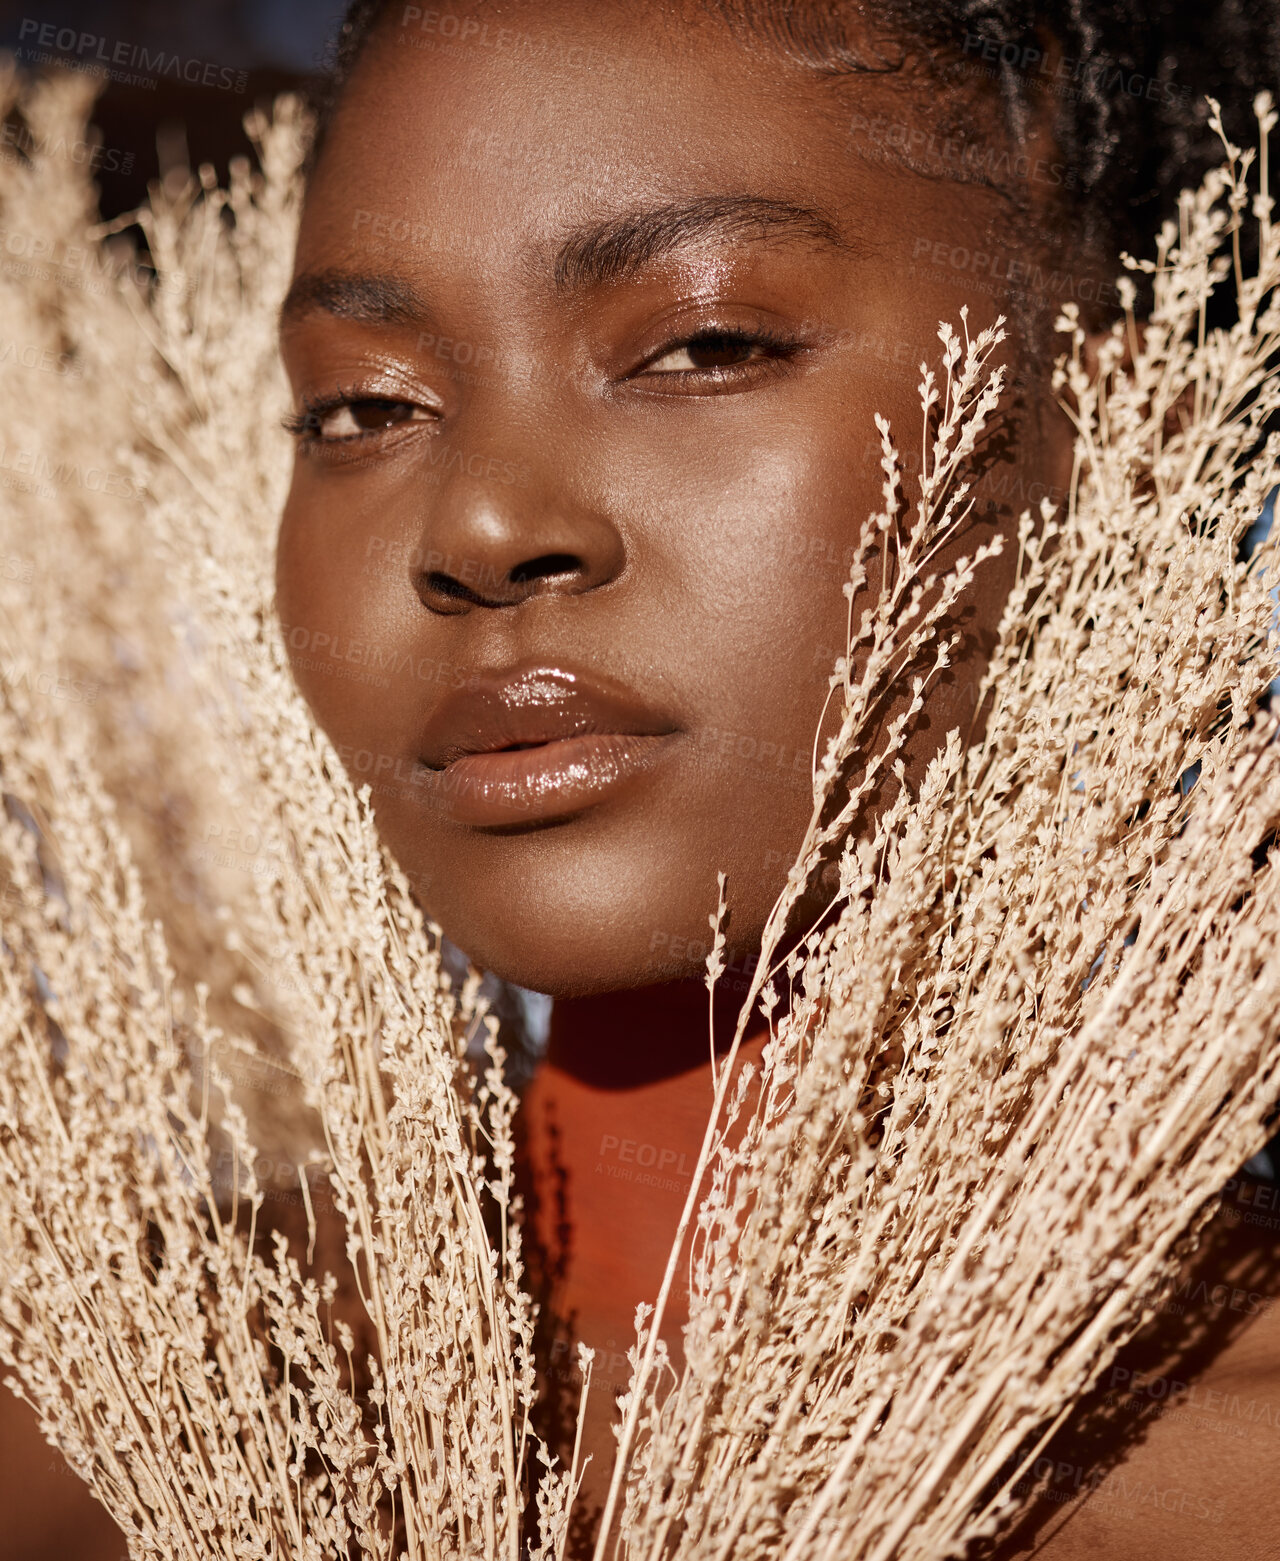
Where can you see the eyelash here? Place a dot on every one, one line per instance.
(778, 348)
(304, 425)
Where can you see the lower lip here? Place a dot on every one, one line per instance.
(540, 785)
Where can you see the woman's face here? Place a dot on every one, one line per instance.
(590, 320)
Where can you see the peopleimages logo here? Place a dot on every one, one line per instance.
(42, 468)
(95, 49)
(924, 149)
(26, 143)
(1104, 76)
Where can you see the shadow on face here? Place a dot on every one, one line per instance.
(590, 321)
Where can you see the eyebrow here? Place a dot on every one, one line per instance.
(369, 300)
(617, 248)
(592, 255)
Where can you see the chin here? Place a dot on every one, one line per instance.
(566, 948)
(573, 911)
(575, 962)
(614, 900)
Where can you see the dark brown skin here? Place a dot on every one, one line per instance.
(669, 488)
(1175, 1456)
(706, 516)
(699, 511)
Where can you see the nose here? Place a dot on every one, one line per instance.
(498, 532)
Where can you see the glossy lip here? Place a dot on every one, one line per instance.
(539, 744)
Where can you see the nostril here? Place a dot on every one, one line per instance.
(444, 592)
(542, 568)
(445, 585)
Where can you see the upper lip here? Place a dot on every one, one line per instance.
(533, 705)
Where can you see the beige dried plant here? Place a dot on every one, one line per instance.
(1007, 1071)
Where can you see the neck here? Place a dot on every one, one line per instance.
(611, 1128)
(620, 1041)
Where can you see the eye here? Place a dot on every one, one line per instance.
(343, 418)
(712, 350)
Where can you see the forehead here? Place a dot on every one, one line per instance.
(482, 132)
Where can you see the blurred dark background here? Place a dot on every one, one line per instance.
(177, 78)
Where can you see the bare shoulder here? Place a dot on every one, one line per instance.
(1176, 1456)
(45, 1509)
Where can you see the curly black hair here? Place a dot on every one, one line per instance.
(1121, 84)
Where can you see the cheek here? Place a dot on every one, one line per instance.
(754, 590)
(746, 582)
(340, 595)
(754, 574)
